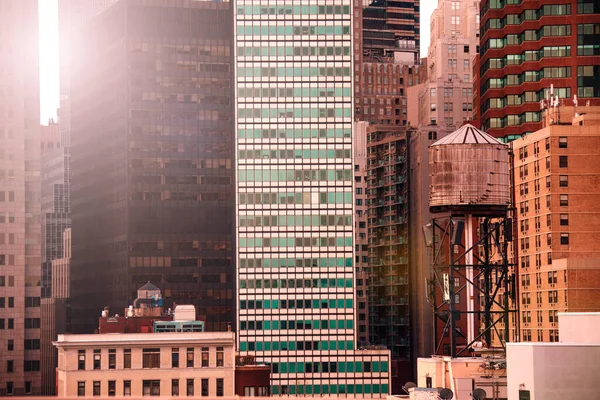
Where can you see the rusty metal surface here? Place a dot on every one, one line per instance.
(469, 174)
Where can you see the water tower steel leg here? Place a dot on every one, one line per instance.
(469, 273)
(488, 283)
(451, 302)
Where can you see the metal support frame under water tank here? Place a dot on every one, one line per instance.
(481, 261)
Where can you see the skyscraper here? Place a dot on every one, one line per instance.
(445, 98)
(389, 27)
(386, 59)
(72, 14)
(388, 283)
(436, 106)
(152, 158)
(294, 199)
(20, 274)
(527, 46)
(55, 219)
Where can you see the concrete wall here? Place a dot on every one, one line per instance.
(554, 371)
(579, 328)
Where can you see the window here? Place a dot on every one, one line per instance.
(588, 81)
(220, 356)
(96, 388)
(190, 387)
(204, 387)
(81, 360)
(205, 357)
(30, 301)
(126, 388)
(552, 277)
(564, 200)
(588, 7)
(112, 359)
(10, 345)
(80, 388)
(30, 323)
(31, 365)
(587, 35)
(563, 180)
(112, 388)
(564, 238)
(174, 387)
(563, 161)
(10, 366)
(219, 387)
(564, 219)
(174, 357)
(190, 357)
(562, 142)
(151, 358)
(127, 358)
(151, 387)
(97, 358)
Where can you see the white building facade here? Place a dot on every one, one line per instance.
(294, 199)
(146, 364)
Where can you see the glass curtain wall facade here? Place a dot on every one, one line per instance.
(152, 193)
(295, 268)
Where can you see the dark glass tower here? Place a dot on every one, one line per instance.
(390, 26)
(152, 192)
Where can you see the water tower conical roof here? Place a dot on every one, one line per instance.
(149, 286)
(468, 134)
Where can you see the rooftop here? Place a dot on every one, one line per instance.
(100, 339)
(468, 134)
(149, 286)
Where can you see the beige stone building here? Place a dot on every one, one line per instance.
(445, 99)
(154, 364)
(557, 184)
(55, 315)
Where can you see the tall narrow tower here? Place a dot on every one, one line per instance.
(294, 198)
(20, 272)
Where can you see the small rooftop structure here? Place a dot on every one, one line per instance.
(184, 320)
(184, 312)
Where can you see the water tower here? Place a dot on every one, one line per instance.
(471, 283)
